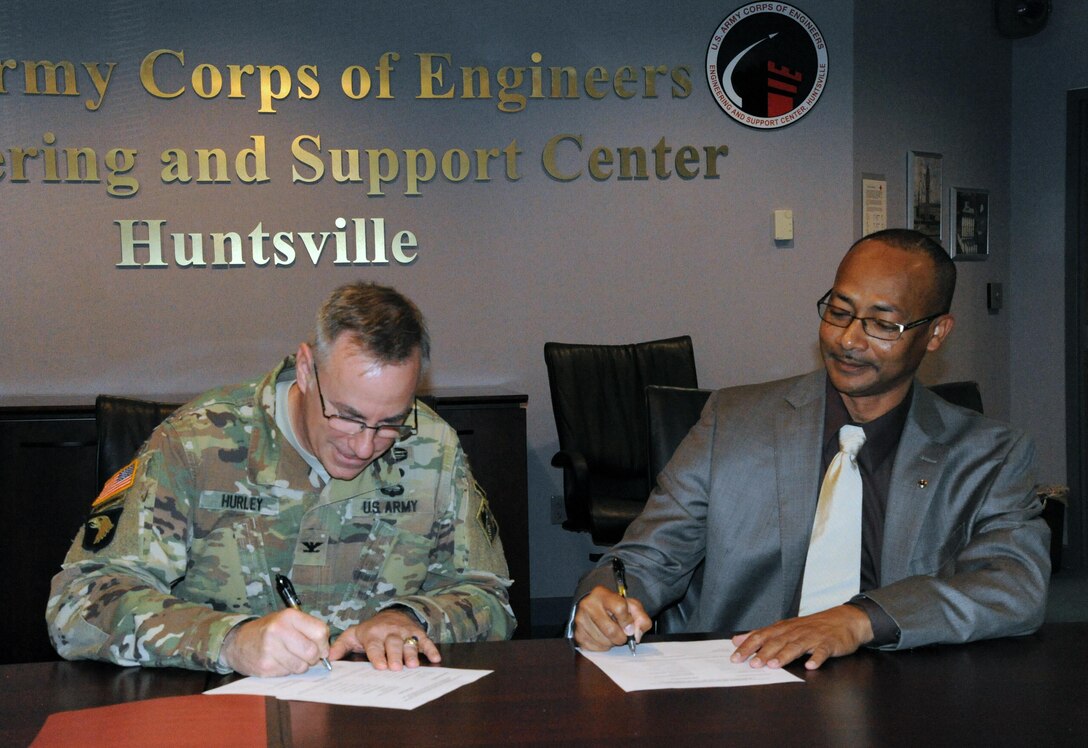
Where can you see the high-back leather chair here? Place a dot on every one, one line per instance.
(123, 425)
(966, 394)
(670, 414)
(599, 403)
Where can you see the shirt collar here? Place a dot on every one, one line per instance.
(881, 434)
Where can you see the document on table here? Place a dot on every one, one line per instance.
(358, 684)
(697, 664)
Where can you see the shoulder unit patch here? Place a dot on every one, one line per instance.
(487, 520)
(100, 528)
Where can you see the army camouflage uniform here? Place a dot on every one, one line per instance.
(185, 544)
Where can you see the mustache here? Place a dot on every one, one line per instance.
(848, 358)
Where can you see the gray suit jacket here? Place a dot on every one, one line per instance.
(965, 551)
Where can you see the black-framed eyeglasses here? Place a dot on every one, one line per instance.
(353, 426)
(874, 327)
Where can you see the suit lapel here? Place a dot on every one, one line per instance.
(798, 436)
(919, 464)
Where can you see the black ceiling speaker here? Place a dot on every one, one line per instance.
(1017, 18)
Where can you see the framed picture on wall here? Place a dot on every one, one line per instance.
(970, 235)
(924, 212)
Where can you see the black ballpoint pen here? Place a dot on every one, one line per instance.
(619, 571)
(290, 598)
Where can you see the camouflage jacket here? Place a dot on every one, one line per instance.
(185, 542)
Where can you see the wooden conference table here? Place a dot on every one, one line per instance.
(1025, 691)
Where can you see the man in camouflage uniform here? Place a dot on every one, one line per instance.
(359, 494)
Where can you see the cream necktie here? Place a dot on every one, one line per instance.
(833, 566)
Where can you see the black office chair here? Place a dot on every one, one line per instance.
(966, 394)
(123, 425)
(670, 414)
(599, 402)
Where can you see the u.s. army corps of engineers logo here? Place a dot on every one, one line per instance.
(766, 65)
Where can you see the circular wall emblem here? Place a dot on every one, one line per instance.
(766, 65)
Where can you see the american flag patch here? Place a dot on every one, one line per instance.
(121, 480)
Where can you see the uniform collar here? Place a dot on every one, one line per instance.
(272, 460)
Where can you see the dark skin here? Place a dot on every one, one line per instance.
(604, 619)
(872, 377)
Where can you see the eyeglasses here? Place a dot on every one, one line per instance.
(881, 329)
(353, 426)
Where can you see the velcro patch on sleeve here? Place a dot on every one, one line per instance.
(120, 481)
(100, 528)
(487, 520)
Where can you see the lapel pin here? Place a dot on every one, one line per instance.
(922, 483)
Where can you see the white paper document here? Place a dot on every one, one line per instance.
(358, 684)
(698, 664)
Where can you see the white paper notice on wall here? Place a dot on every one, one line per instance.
(874, 192)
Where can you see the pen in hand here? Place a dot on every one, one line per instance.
(619, 571)
(290, 598)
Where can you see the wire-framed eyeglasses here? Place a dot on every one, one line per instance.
(353, 426)
(874, 327)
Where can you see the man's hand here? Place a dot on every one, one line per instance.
(605, 619)
(834, 632)
(288, 641)
(385, 639)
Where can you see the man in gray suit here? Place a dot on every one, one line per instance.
(952, 545)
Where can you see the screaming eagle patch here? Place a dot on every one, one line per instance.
(100, 528)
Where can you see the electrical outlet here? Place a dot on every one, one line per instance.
(559, 509)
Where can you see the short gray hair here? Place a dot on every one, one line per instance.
(380, 320)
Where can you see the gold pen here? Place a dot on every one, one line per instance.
(619, 571)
